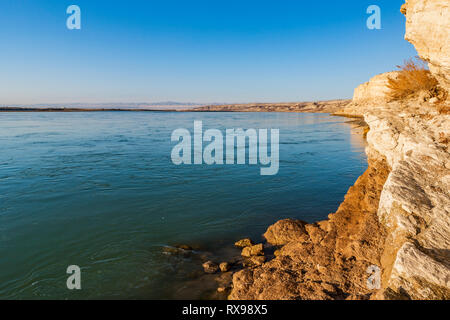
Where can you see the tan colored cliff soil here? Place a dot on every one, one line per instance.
(327, 260)
(318, 106)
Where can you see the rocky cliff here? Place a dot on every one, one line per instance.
(325, 260)
(428, 29)
(414, 137)
(397, 215)
(415, 200)
(374, 90)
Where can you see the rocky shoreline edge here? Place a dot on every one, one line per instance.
(298, 260)
(393, 219)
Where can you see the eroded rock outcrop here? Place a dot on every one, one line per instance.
(428, 29)
(327, 260)
(396, 216)
(285, 231)
(414, 205)
(375, 90)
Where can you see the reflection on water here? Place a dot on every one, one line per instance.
(99, 190)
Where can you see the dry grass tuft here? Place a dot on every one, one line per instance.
(412, 79)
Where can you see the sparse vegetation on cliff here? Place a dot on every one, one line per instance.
(412, 79)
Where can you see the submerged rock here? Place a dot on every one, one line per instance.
(184, 247)
(244, 243)
(175, 251)
(224, 266)
(210, 267)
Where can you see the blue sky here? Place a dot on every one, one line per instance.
(194, 51)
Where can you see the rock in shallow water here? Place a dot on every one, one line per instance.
(244, 243)
(184, 247)
(174, 251)
(224, 266)
(285, 231)
(210, 267)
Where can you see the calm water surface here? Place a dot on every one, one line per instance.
(99, 190)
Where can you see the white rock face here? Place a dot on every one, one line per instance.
(428, 29)
(411, 277)
(374, 90)
(414, 138)
(415, 201)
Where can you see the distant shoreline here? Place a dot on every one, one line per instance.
(329, 106)
(80, 110)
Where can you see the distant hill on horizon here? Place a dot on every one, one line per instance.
(110, 105)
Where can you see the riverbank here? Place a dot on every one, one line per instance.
(330, 106)
(394, 218)
(394, 222)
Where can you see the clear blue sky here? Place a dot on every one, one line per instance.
(194, 51)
